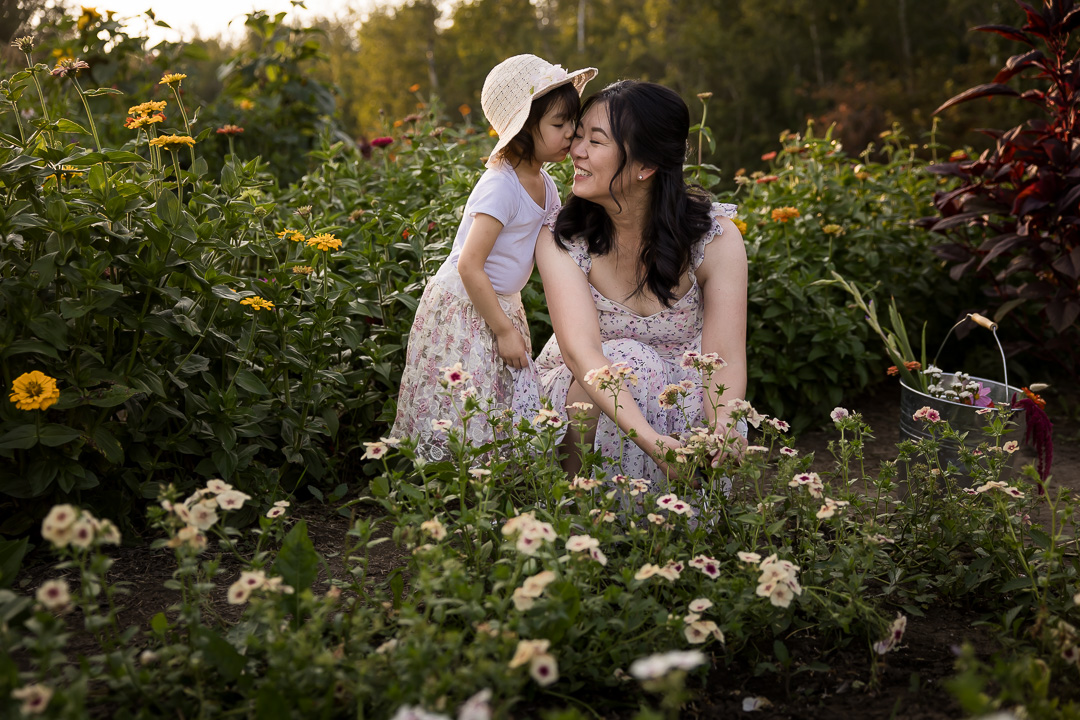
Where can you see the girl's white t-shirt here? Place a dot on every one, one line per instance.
(501, 195)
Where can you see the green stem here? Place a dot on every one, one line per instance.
(18, 120)
(183, 114)
(41, 95)
(179, 182)
(89, 115)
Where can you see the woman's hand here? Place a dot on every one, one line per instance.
(658, 450)
(734, 446)
(511, 347)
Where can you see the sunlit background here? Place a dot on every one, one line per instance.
(770, 65)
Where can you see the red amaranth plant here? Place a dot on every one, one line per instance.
(1020, 196)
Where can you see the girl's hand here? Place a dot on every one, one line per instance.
(511, 347)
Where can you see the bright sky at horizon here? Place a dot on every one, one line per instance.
(208, 18)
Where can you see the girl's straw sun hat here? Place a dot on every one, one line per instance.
(513, 84)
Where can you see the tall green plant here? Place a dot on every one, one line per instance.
(1012, 218)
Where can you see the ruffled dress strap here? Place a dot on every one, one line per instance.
(579, 251)
(553, 216)
(697, 252)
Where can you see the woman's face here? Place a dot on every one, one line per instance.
(595, 156)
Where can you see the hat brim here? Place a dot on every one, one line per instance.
(580, 78)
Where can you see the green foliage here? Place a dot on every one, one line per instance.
(125, 277)
(806, 347)
(1011, 218)
(606, 577)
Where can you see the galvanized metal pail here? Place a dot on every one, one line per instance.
(963, 418)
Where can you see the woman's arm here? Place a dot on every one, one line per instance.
(722, 277)
(478, 244)
(577, 329)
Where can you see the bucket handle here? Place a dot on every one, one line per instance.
(990, 325)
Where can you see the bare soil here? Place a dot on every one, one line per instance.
(910, 686)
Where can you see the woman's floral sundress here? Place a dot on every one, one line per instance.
(653, 346)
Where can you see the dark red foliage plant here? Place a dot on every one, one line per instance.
(1013, 217)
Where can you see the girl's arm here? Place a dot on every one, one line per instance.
(722, 277)
(478, 244)
(577, 329)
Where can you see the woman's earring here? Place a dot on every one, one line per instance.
(640, 177)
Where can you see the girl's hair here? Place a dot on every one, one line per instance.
(563, 98)
(649, 124)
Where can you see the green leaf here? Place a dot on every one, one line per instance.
(102, 91)
(271, 705)
(297, 562)
(159, 623)
(54, 435)
(97, 179)
(251, 382)
(109, 446)
(21, 438)
(220, 654)
(65, 125)
(1039, 537)
(380, 487)
(1015, 584)
(113, 396)
(168, 207)
(12, 553)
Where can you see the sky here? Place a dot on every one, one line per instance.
(214, 17)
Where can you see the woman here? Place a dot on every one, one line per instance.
(640, 269)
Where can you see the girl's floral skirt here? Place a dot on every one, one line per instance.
(448, 330)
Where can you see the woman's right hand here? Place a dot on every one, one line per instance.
(511, 348)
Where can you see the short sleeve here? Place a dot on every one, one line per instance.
(496, 195)
(719, 210)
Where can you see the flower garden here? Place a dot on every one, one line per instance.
(200, 360)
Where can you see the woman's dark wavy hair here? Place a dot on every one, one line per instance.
(649, 124)
(522, 148)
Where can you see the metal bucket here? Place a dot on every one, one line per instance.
(962, 418)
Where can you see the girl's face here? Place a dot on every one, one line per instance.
(552, 136)
(595, 156)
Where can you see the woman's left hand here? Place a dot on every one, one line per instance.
(734, 446)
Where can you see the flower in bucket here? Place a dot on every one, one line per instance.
(928, 414)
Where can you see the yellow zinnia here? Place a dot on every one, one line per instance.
(325, 241)
(147, 108)
(171, 78)
(257, 303)
(291, 235)
(171, 142)
(740, 224)
(66, 173)
(303, 269)
(34, 391)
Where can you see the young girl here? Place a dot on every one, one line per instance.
(471, 311)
